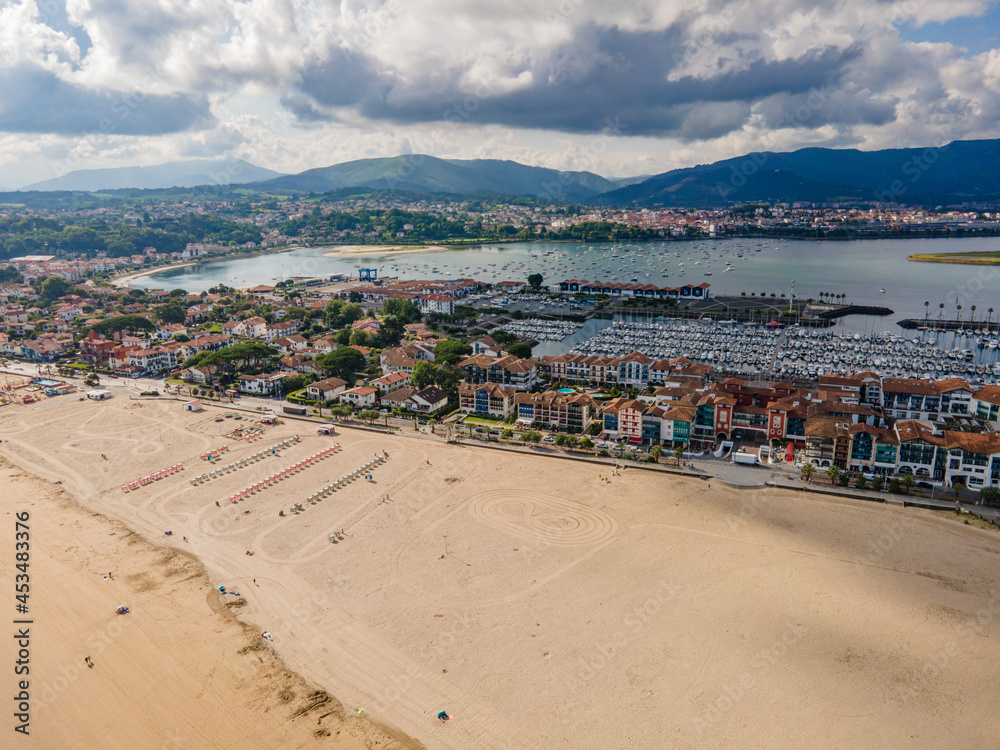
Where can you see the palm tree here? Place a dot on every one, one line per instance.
(908, 482)
(678, 453)
(807, 471)
(655, 452)
(832, 473)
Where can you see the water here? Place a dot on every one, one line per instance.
(857, 269)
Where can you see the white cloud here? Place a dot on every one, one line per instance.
(534, 80)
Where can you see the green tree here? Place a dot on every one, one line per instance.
(247, 355)
(344, 363)
(535, 281)
(507, 434)
(451, 352)
(519, 350)
(530, 436)
(368, 415)
(294, 382)
(130, 323)
(894, 486)
(172, 312)
(877, 484)
(402, 309)
(989, 496)
(447, 378)
(861, 483)
(423, 375)
(341, 412)
(908, 482)
(54, 287)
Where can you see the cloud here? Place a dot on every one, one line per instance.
(36, 101)
(710, 78)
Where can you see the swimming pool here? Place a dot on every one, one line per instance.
(566, 390)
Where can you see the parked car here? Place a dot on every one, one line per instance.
(495, 432)
(548, 439)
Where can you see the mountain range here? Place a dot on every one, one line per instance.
(417, 173)
(962, 171)
(172, 174)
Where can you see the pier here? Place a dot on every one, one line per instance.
(920, 324)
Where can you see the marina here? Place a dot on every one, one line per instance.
(869, 273)
(802, 353)
(542, 330)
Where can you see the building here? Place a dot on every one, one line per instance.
(429, 400)
(572, 412)
(362, 397)
(486, 398)
(519, 374)
(622, 419)
(326, 390)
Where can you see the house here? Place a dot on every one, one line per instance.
(290, 344)
(326, 390)
(486, 398)
(362, 397)
(429, 400)
(325, 344)
(95, 349)
(392, 381)
(487, 346)
(368, 325)
(398, 399)
(202, 375)
(262, 384)
(193, 406)
(168, 330)
(255, 327)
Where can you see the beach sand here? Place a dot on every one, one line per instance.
(178, 671)
(539, 605)
(344, 250)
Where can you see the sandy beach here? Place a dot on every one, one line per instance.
(345, 250)
(541, 604)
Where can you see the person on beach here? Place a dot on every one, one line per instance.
(443, 716)
(88, 662)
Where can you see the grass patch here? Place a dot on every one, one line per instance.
(482, 420)
(979, 258)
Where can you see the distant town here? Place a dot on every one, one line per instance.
(162, 231)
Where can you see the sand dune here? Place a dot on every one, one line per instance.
(543, 607)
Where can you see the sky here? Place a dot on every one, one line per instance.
(620, 88)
